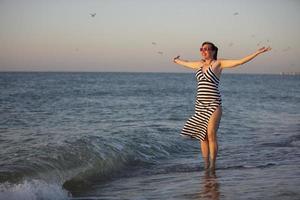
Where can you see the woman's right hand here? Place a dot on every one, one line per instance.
(174, 59)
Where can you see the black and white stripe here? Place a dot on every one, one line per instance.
(207, 100)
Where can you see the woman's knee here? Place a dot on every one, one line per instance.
(212, 136)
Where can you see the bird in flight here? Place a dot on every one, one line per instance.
(93, 14)
(236, 13)
(259, 43)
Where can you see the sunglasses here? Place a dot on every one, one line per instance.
(205, 49)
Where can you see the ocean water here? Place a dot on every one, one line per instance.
(116, 136)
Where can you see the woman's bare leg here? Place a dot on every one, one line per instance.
(212, 128)
(205, 152)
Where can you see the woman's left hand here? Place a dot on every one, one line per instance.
(264, 49)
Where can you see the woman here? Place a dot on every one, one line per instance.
(203, 125)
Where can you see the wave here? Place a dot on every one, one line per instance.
(77, 163)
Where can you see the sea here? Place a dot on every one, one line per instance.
(109, 136)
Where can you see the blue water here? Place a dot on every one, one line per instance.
(116, 136)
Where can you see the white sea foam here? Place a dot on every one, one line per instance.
(32, 190)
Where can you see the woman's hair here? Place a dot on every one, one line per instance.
(214, 48)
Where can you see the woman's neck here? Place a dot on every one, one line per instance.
(208, 61)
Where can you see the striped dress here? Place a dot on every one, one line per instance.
(207, 100)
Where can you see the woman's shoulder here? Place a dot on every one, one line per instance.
(198, 64)
(218, 61)
(216, 65)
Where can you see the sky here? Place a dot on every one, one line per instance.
(144, 36)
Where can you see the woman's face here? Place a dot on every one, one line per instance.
(207, 52)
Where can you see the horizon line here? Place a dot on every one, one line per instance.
(140, 72)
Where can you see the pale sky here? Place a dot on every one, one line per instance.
(144, 35)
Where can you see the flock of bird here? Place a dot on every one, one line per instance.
(230, 44)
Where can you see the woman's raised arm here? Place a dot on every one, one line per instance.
(189, 64)
(233, 63)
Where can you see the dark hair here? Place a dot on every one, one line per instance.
(214, 48)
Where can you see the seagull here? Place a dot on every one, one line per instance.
(93, 14)
(236, 13)
(259, 43)
(154, 43)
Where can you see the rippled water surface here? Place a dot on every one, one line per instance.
(116, 136)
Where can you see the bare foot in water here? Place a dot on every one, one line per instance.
(212, 167)
(206, 163)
